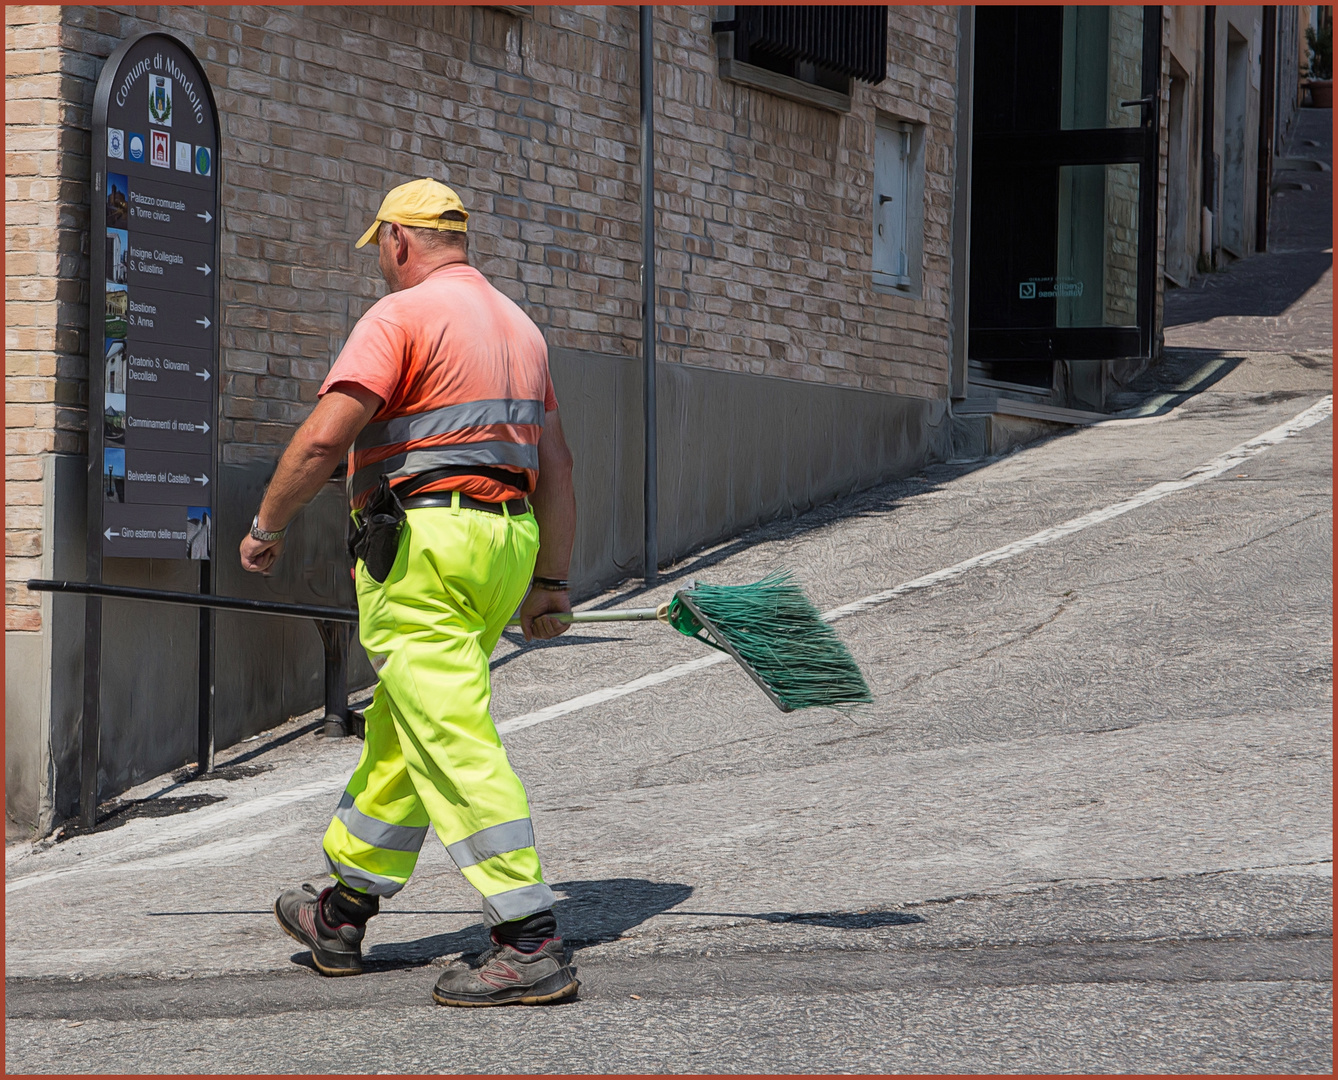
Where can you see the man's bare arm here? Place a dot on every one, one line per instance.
(554, 502)
(317, 448)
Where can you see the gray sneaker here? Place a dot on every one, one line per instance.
(507, 976)
(335, 950)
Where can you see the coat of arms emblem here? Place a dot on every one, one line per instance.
(160, 100)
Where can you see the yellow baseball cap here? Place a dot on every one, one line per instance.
(419, 204)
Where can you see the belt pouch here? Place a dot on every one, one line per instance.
(376, 541)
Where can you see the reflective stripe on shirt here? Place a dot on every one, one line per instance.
(449, 418)
(506, 454)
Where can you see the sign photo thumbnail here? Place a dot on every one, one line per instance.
(113, 474)
(199, 532)
(113, 419)
(118, 201)
(118, 311)
(114, 382)
(118, 256)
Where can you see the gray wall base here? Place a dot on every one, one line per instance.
(735, 450)
(25, 659)
(44, 671)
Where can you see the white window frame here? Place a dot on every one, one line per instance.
(898, 205)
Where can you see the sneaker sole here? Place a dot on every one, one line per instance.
(539, 994)
(296, 935)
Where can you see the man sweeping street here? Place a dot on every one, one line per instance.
(460, 479)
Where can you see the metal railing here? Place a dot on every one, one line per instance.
(333, 624)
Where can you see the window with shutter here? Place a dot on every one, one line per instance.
(898, 197)
(806, 53)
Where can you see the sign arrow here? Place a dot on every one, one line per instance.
(207, 216)
(204, 480)
(203, 427)
(202, 375)
(108, 534)
(204, 322)
(205, 269)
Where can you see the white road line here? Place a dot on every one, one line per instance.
(187, 828)
(1218, 465)
(598, 697)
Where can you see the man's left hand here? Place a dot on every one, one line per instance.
(536, 613)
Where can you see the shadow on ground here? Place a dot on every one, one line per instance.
(1266, 285)
(118, 812)
(596, 912)
(588, 912)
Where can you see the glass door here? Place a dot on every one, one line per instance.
(1063, 188)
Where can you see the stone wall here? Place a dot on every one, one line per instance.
(46, 292)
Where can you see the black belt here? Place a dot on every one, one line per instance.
(514, 507)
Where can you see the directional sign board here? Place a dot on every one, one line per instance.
(153, 386)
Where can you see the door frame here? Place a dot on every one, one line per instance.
(1111, 146)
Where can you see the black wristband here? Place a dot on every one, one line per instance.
(551, 584)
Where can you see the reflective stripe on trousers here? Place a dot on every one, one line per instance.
(494, 840)
(378, 833)
(432, 755)
(517, 903)
(368, 853)
(363, 880)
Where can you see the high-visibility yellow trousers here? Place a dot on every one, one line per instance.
(432, 755)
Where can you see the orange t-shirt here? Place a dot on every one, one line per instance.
(463, 376)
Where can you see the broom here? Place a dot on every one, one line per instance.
(770, 629)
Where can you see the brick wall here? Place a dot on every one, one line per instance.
(46, 252)
(764, 205)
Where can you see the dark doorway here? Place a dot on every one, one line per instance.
(1064, 184)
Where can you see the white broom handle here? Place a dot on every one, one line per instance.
(645, 614)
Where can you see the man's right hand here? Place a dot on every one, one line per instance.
(259, 556)
(536, 621)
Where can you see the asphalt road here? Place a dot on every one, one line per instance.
(1085, 826)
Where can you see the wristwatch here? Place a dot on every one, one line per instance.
(264, 535)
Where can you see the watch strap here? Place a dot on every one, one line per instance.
(265, 536)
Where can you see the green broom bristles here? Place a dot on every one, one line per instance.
(778, 636)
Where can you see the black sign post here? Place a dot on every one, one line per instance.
(153, 341)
